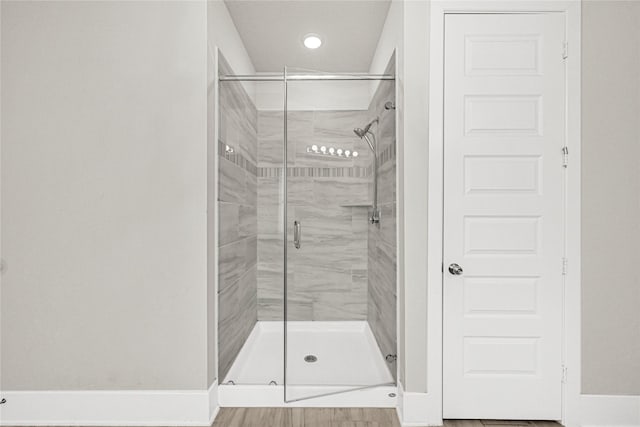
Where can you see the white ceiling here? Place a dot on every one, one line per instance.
(272, 32)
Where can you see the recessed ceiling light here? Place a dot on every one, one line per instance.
(312, 41)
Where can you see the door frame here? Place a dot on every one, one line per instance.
(571, 9)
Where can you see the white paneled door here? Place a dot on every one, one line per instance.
(504, 133)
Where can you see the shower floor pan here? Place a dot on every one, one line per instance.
(349, 369)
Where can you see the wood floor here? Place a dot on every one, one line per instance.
(306, 417)
(339, 417)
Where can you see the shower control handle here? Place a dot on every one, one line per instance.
(297, 230)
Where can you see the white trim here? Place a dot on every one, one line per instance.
(598, 410)
(435, 203)
(110, 408)
(417, 409)
(216, 211)
(273, 396)
(573, 286)
(214, 406)
(572, 329)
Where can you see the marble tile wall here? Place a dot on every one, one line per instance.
(382, 250)
(238, 221)
(327, 276)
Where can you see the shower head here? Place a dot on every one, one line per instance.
(362, 133)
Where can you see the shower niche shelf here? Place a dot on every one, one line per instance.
(356, 205)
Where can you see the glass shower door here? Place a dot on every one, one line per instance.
(251, 225)
(330, 344)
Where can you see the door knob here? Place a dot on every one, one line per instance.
(455, 269)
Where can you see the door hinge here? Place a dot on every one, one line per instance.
(565, 50)
(564, 374)
(565, 266)
(565, 156)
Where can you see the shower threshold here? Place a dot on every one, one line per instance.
(336, 364)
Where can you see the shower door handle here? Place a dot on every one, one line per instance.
(297, 232)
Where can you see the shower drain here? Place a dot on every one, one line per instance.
(310, 358)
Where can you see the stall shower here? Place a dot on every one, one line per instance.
(306, 257)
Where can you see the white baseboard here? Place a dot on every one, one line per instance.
(607, 411)
(110, 408)
(417, 409)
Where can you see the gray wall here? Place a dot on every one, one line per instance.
(382, 244)
(611, 197)
(328, 275)
(237, 209)
(104, 195)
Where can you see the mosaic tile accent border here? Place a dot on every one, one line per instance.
(237, 158)
(387, 154)
(294, 172)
